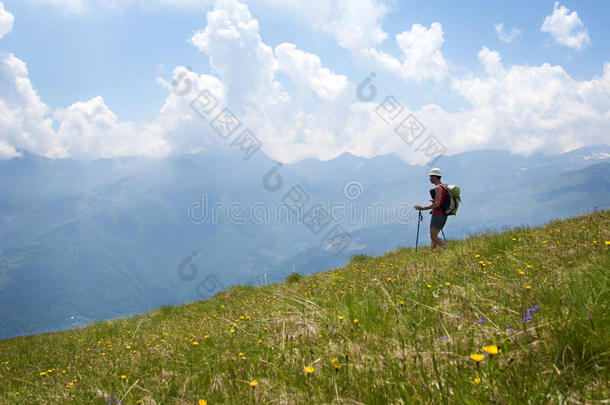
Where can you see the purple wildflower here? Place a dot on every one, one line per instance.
(482, 320)
(527, 318)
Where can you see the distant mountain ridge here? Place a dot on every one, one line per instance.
(105, 238)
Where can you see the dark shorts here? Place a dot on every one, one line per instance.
(438, 221)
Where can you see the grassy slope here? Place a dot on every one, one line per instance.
(420, 316)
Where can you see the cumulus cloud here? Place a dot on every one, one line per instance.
(288, 121)
(566, 28)
(6, 21)
(521, 108)
(504, 36)
(305, 69)
(86, 129)
(531, 108)
(232, 42)
(356, 26)
(421, 59)
(299, 108)
(24, 123)
(90, 130)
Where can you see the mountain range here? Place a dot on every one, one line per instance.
(96, 239)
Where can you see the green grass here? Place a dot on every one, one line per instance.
(419, 318)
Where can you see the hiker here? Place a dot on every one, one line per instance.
(438, 219)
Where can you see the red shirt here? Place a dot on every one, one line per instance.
(439, 210)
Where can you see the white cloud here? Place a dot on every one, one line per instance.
(86, 129)
(90, 130)
(23, 116)
(298, 108)
(504, 36)
(355, 24)
(531, 108)
(566, 28)
(422, 58)
(422, 55)
(491, 60)
(236, 52)
(6, 21)
(305, 69)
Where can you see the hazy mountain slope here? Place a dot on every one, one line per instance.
(566, 195)
(103, 238)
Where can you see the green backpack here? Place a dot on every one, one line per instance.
(452, 199)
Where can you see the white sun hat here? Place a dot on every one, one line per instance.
(435, 172)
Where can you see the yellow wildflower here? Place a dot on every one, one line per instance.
(491, 349)
(477, 357)
(309, 369)
(253, 383)
(476, 380)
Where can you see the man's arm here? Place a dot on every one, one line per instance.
(437, 200)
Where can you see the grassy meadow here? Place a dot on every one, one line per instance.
(515, 317)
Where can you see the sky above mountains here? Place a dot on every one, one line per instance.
(107, 78)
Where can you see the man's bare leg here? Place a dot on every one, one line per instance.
(435, 240)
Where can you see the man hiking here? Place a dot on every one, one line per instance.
(438, 219)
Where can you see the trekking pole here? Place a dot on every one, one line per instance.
(419, 219)
(445, 239)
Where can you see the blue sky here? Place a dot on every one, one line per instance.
(77, 50)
